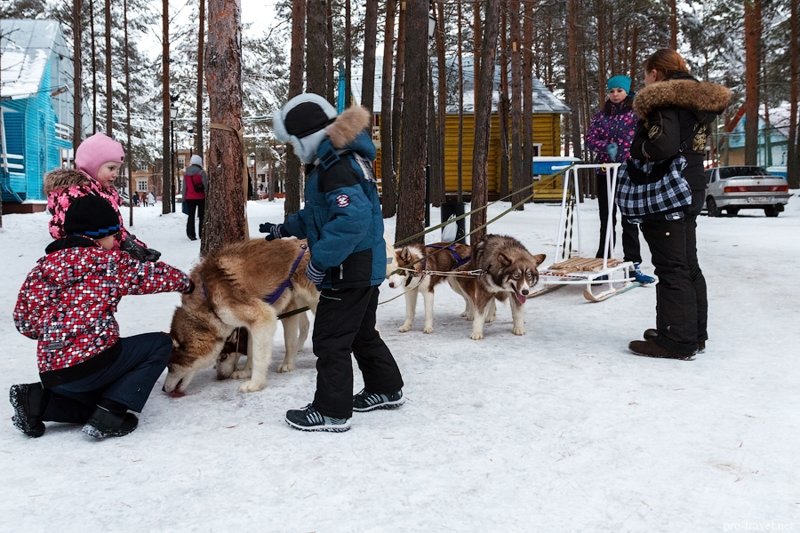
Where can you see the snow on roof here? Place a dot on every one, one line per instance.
(544, 101)
(25, 46)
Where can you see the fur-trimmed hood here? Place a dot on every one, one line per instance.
(685, 92)
(347, 126)
(64, 177)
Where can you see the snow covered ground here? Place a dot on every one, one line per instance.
(557, 430)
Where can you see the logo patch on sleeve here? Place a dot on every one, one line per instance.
(342, 200)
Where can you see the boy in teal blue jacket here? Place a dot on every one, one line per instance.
(342, 222)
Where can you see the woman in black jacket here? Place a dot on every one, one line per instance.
(676, 110)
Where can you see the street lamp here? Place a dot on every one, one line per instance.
(173, 114)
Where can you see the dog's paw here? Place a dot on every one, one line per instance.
(286, 367)
(518, 330)
(252, 385)
(427, 329)
(490, 319)
(242, 374)
(405, 327)
(476, 336)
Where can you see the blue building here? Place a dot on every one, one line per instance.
(36, 113)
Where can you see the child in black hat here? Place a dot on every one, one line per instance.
(89, 374)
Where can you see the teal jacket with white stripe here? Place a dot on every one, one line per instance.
(341, 218)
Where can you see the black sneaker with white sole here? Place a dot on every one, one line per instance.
(309, 419)
(369, 401)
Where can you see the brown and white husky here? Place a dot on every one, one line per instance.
(245, 284)
(414, 262)
(508, 270)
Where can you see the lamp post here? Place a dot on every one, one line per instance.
(173, 114)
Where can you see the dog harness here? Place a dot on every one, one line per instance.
(452, 248)
(287, 283)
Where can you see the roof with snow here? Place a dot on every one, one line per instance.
(544, 101)
(26, 46)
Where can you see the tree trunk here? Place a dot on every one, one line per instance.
(370, 37)
(348, 55)
(792, 163)
(527, 97)
(198, 127)
(77, 75)
(109, 94)
(573, 79)
(225, 217)
(673, 24)
(600, 12)
(476, 47)
(388, 182)
(460, 106)
(483, 115)
(330, 79)
(752, 43)
(504, 104)
(94, 66)
(441, 105)
(516, 102)
(167, 190)
(128, 147)
(410, 207)
(316, 50)
(292, 181)
(399, 77)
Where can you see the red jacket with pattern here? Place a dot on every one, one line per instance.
(68, 300)
(62, 186)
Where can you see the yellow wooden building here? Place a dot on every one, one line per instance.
(547, 114)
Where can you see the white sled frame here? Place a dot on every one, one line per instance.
(600, 280)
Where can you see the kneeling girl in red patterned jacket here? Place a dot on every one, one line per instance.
(89, 374)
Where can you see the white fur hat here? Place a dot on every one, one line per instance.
(302, 122)
(196, 160)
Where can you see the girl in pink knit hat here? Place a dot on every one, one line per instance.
(97, 163)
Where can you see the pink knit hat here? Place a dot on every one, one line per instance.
(96, 150)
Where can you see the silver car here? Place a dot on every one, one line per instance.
(744, 187)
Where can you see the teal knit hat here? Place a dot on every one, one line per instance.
(620, 81)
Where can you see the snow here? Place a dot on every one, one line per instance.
(557, 430)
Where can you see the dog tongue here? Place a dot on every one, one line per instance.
(176, 394)
(521, 298)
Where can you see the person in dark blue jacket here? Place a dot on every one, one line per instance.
(342, 222)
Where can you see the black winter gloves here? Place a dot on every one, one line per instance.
(273, 231)
(138, 251)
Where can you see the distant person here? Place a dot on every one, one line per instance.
(609, 136)
(675, 112)
(97, 163)
(195, 185)
(89, 374)
(151, 198)
(342, 221)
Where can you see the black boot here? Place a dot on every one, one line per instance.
(28, 401)
(104, 423)
(650, 348)
(652, 333)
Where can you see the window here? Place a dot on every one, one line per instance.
(141, 185)
(181, 162)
